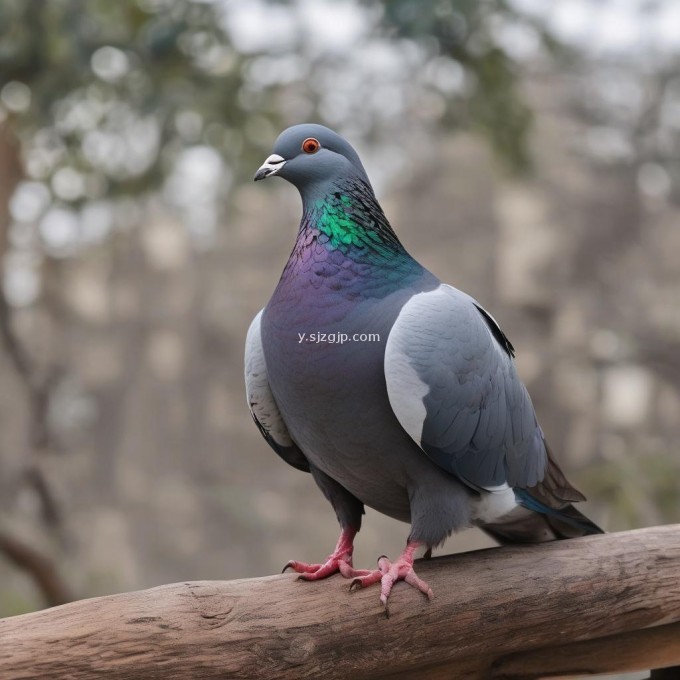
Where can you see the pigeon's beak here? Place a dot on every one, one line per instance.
(270, 167)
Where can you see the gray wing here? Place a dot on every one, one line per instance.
(452, 384)
(262, 405)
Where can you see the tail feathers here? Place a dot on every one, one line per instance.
(538, 523)
(565, 522)
(545, 511)
(552, 497)
(554, 490)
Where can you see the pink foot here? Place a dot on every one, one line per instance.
(388, 573)
(340, 560)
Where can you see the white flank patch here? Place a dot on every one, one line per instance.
(494, 505)
(405, 389)
(259, 394)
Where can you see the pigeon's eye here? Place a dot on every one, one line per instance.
(311, 145)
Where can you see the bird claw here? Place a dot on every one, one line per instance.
(388, 573)
(302, 567)
(314, 572)
(386, 607)
(334, 564)
(359, 577)
(340, 560)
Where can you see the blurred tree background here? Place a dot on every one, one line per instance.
(527, 154)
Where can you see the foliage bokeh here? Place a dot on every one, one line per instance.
(539, 175)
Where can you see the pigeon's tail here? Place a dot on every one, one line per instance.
(540, 523)
(565, 522)
(552, 516)
(552, 499)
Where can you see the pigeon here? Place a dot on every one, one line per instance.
(392, 389)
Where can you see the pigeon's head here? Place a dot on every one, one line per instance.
(310, 155)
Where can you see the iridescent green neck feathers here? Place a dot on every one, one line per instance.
(349, 219)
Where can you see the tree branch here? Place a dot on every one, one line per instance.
(492, 609)
(39, 567)
(38, 387)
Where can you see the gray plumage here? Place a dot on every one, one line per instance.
(431, 424)
(478, 421)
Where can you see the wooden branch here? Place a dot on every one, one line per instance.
(492, 614)
(638, 650)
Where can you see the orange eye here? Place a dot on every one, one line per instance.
(311, 145)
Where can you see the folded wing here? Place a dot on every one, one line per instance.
(453, 386)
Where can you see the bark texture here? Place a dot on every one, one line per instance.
(596, 604)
